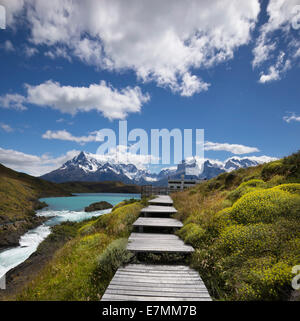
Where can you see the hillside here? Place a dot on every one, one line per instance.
(245, 227)
(19, 195)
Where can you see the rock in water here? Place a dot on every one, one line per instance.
(98, 206)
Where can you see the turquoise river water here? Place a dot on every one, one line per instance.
(60, 209)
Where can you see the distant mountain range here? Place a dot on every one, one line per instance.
(90, 168)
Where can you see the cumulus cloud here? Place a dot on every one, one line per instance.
(112, 103)
(282, 18)
(32, 164)
(162, 41)
(232, 148)
(65, 135)
(292, 117)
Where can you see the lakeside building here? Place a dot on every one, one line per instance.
(173, 185)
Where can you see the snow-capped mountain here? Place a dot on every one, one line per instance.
(90, 167)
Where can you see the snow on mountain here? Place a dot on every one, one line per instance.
(90, 167)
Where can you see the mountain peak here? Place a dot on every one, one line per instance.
(89, 167)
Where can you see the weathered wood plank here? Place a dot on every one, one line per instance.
(153, 235)
(109, 297)
(135, 287)
(161, 294)
(162, 199)
(159, 267)
(159, 209)
(157, 222)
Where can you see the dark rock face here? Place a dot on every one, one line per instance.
(98, 206)
(10, 232)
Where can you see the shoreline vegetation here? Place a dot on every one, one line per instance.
(244, 226)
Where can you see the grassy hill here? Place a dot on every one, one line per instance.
(245, 227)
(19, 195)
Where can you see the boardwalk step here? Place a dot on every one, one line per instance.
(162, 200)
(141, 286)
(157, 222)
(155, 209)
(144, 242)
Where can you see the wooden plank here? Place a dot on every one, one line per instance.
(154, 272)
(159, 209)
(159, 267)
(157, 289)
(162, 199)
(159, 286)
(157, 236)
(154, 243)
(162, 281)
(161, 294)
(157, 222)
(158, 275)
(109, 297)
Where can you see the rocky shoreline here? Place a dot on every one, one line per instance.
(11, 231)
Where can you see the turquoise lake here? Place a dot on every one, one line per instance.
(79, 201)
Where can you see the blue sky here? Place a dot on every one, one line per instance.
(68, 71)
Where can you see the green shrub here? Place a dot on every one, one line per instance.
(119, 222)
(222, 219)
(271, 169)
(114, 256)
(265, 206)
(255, 239)
(267, 283)
(246, 187)
(291, 188)
(192, 234)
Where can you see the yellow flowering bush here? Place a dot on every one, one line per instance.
(246, 187)
(265, 206)
(253, 239)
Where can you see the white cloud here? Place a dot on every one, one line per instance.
(7, 128)
(161, 41)
(112, 103)
(191, 85)
(32, 164)
(232, 148)
(14, 101)
(58, 52)
(291, 117)
(281, 18)
(274, 72)
(65, 135)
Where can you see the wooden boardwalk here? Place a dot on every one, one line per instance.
(146, 282)
(139, 282)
